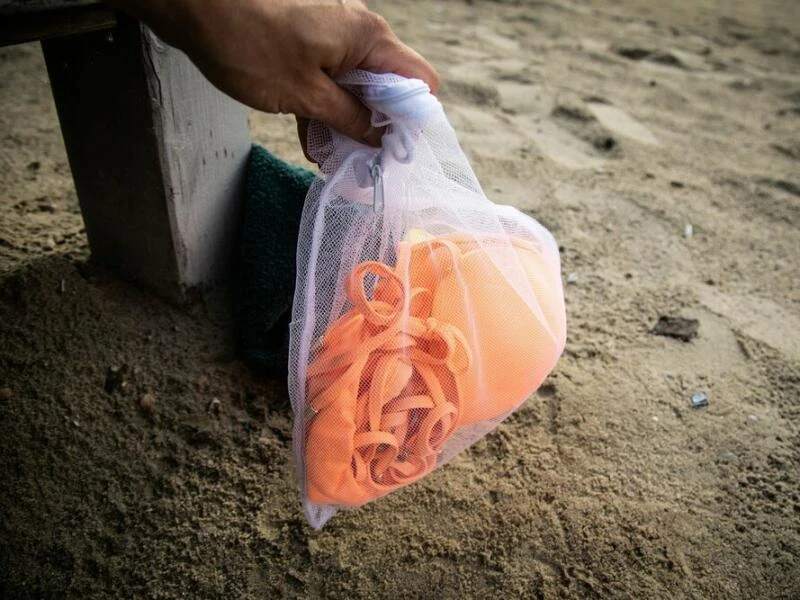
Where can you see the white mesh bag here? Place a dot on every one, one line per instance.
(424, 314)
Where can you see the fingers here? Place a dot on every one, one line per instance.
(343, 112)
(407, 62)
(389, 55)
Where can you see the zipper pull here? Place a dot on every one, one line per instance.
(376, 172)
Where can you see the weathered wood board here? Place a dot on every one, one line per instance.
(157, 155)
(19, 22)
(22, 6)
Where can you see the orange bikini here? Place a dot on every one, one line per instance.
(462, 330)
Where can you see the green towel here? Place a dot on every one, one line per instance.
(273, 204)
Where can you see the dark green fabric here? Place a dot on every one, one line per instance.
(273, 205)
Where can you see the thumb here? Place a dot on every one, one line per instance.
(343, 112)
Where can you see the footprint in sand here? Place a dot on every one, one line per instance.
(759, 318)
(573, 137)
(622, 123)
(496, 40)
(581, 135)
(564, 148)
(472, 91)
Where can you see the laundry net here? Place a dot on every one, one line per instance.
(423, 315)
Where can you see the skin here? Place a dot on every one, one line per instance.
(282, 56)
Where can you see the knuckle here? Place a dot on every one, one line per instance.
(382, 25)
(350, 120)
(376, 24)
(313, 102)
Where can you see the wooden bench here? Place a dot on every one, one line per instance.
(157, 153)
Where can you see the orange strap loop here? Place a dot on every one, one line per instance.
(397, 366)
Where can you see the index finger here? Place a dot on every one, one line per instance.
(393, 56)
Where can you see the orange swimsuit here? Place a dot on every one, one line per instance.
(462, 330)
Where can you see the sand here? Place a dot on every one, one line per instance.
(660, 144)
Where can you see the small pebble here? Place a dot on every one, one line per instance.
(572, 278)
(688, 230)
(699, 400)
(726, 457)
(314, 547)
(115, 379)
(676, 327)
(147, 402)
(214, 407)
(752, 417)
(6, 393)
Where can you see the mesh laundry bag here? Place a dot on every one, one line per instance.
(424, 314)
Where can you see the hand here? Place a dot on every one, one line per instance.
(281, 56)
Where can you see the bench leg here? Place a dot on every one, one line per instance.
(157, 155)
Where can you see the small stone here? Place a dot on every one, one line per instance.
(699, 400)
(214, 407)
(655, 418)
(44, 204)
(753, 418)
(313, 547)
(725, 458)
(115, 379)
(6, 393)
(677, 184)
(147, 402)
(676, 327)
(572, 278)
(688, 231)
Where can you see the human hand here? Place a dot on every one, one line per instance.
(282, 56)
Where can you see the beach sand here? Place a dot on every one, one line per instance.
(661, 146)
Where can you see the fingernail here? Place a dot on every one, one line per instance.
(372, 136)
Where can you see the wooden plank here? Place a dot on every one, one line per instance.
(157, 155)
(204, 142)
(17, 28)
(10, 7)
